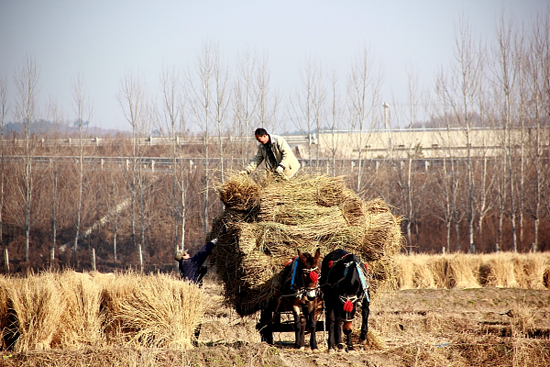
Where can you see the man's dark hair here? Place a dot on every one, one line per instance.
(260, 131)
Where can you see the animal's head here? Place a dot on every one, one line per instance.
(351, 286)
(310, 272)
(351, 281)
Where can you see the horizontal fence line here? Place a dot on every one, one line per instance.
(170, 160)
(166, 163)
(151, 140)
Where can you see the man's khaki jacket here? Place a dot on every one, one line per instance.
(283, 154)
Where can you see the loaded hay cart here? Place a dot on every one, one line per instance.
(264, 224)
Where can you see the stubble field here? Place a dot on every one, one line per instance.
(413, 326)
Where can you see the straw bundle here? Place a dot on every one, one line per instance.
(35, 310)
(240, 193)
(157, 312)
(4, 321)
(79, 310)
(261, 229)
(82, 320)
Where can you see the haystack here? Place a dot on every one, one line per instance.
(264, 224)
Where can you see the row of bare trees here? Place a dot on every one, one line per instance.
(489, 201)
(131, 215)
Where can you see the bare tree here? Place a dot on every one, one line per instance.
(307, 102)
(134, 104)
(364, 97)
(483, 202)
(26, 110)
(406, 181)
(83, 110)
(173, 117)
(56, 116)
(116, 198)
(202, 96)
(267, 99)
(537, 65)
(467, 79)
(449, 180)
(244, 101)
(253, 101)
(221, 102)
(3, 113)
(506, 74)
(335, 120)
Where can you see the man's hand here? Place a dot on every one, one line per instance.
(279, 170)
(244, 172)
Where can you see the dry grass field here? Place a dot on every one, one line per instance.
(491, 310)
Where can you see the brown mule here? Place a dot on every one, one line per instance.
(299, 294)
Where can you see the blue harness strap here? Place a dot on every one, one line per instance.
(364, 283)
(346, 270)
(294, 267)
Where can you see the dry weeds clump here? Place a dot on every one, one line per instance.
(264, 224)
(72, 311)
(503, 269)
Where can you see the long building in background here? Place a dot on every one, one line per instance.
(375, 144)
(431, 143)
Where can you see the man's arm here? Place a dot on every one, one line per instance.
(256, 161)
(286, 153)
(203, 253)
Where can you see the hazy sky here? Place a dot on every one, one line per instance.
(102, 40)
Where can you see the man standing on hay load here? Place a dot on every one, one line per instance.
(276, 153)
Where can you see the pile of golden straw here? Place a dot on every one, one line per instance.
(74, 311)
(264, 224)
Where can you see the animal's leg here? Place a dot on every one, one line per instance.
(365, 310)
(331, 325)
(338, 330)
(299, 326)
(347, 331)
(196, 336)
(312, 320)
(264, 325)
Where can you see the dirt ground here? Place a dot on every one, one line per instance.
(420, 327)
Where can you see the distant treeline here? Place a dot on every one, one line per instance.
(130, 216)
